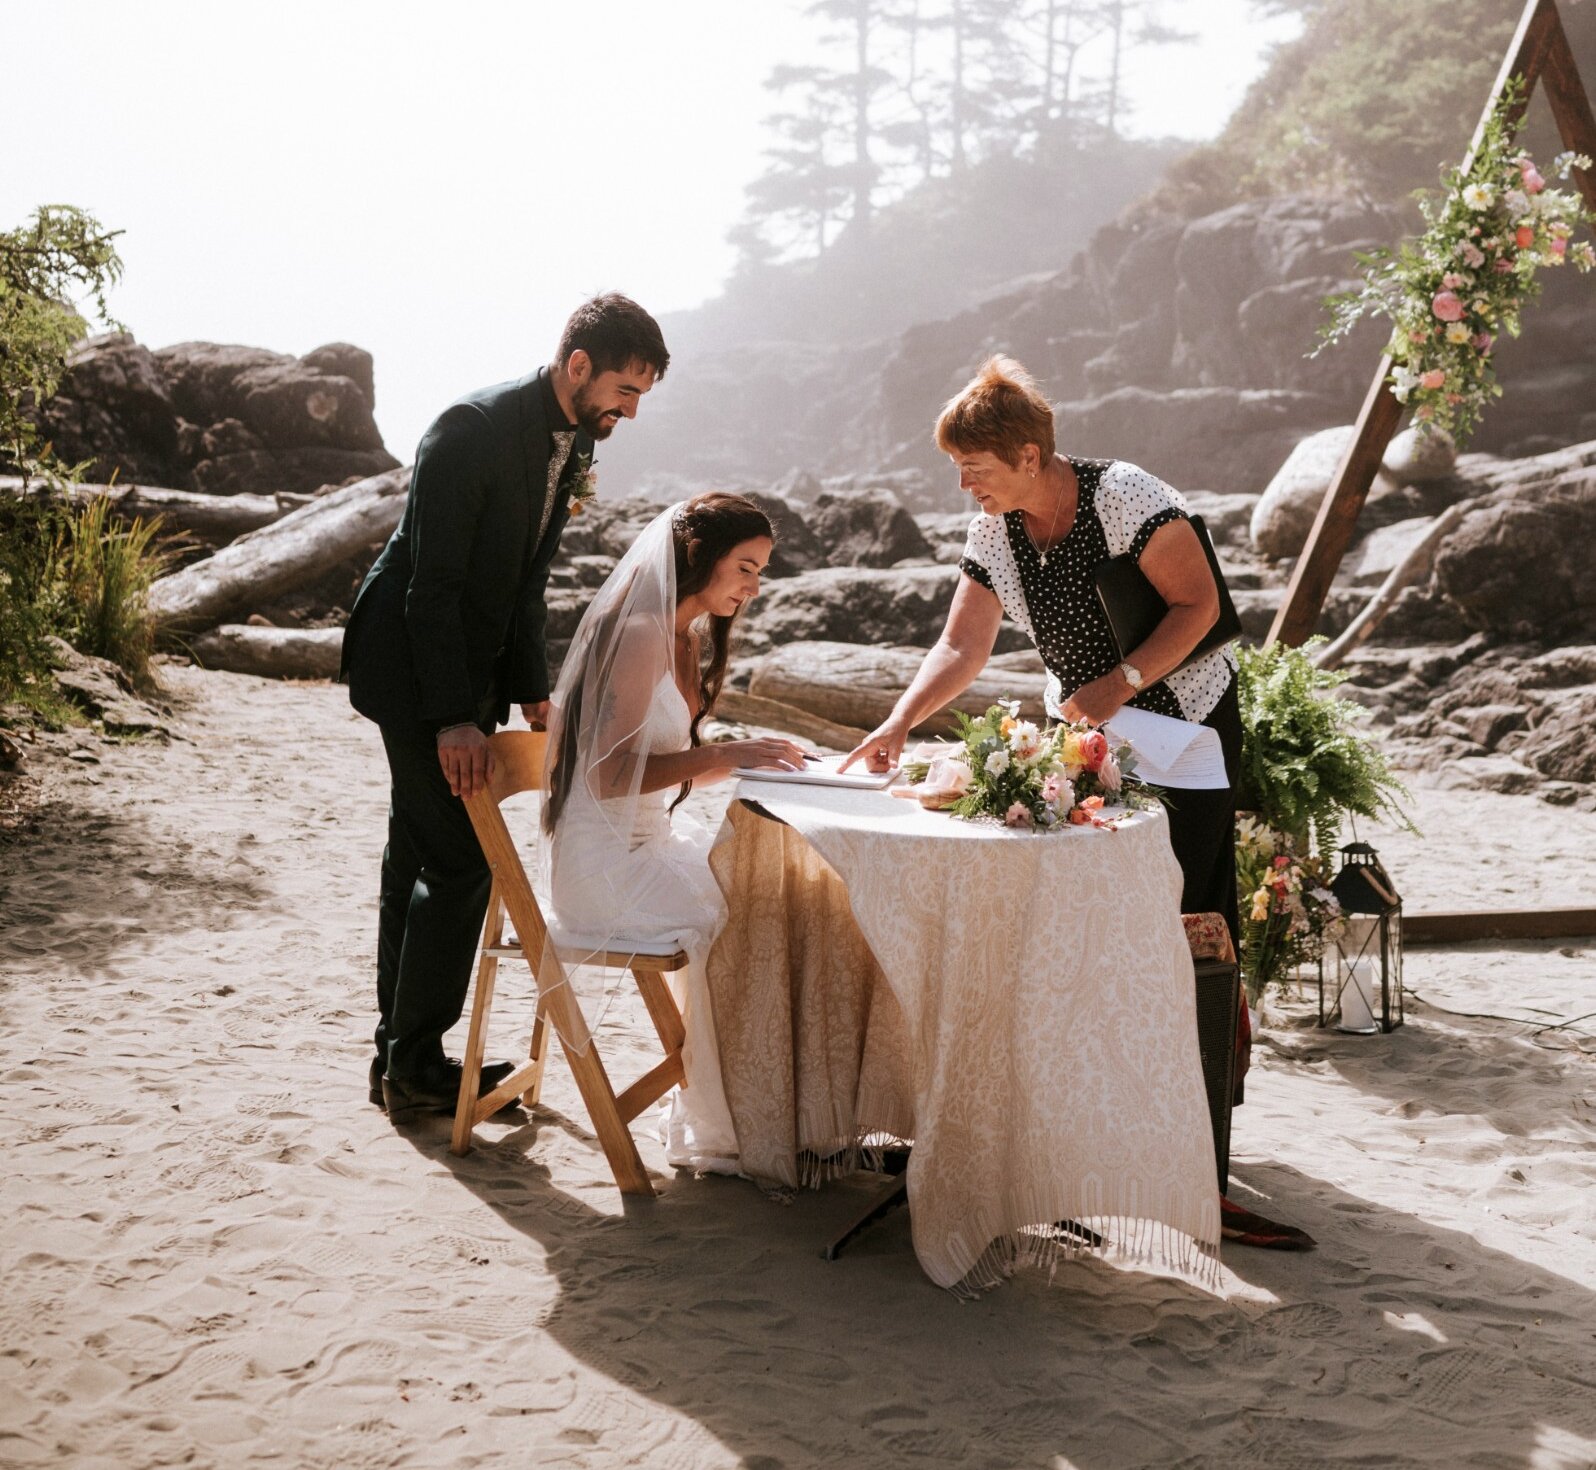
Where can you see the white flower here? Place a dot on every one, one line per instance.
(1457, 333)
(997, 763)
(1517, 202)
(1403, 381)
(1479, 196)
(1025, 740)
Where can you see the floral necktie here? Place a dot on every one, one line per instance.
(563, 440)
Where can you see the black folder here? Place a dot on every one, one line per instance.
(1134, 608)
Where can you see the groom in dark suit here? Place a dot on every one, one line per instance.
(445, 635)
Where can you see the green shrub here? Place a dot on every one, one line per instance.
(105, 570)
(1305, 762)
(77, 574)
(30, 532)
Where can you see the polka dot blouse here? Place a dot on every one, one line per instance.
(1055, 601)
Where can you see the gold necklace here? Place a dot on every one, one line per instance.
(1052, 525)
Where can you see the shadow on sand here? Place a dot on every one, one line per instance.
(792, 1361)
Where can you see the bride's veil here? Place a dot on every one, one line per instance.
(600, 740)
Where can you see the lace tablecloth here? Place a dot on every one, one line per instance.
(1022, 1006)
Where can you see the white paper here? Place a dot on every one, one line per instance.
(1169, 752)
(824, 772)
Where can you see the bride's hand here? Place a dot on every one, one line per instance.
(879, 749)
(763, 752)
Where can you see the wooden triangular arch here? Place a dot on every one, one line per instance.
(1539, 53)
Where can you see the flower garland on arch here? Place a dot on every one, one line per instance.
(1451, 293)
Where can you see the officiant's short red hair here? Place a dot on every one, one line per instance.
(999, 411)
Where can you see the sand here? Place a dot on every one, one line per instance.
(216, 1252)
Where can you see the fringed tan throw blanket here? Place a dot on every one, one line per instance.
(1036, 1034)
(814, 1056)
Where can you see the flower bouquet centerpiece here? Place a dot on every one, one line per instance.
(1451, 293)
(1010, 770)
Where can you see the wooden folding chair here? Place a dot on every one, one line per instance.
(518, 766)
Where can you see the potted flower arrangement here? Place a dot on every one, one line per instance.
(1288, 913)
(1010, 770)
(1307, 765)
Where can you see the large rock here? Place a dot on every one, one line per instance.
(288, 402)
(1518, 563)
(797, 548)
(1225, 440)
(112, 409)
(1249, 295)
(1417, 456)
(101, 690)
(865, 528)
(220, 419)
(1286, 511)
(851, 605)
(1563, 744)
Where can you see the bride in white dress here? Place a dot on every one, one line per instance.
(642, 674)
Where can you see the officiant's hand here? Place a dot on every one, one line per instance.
(1100, 700)
(536, 715)
(880, 749)
(466, 760)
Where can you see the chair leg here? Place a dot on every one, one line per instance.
(477, 1035)
(662, 1009)
(614, 1137)
(539, 1054)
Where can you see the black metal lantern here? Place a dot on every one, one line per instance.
(1364, 959)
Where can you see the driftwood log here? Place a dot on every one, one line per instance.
(1414, 567)
(769, 714)
(273, 653)
(856, 685)
(213, 519)
(303, 545)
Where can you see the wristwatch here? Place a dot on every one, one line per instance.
(1132, 674)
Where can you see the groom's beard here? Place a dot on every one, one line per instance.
(590, 416)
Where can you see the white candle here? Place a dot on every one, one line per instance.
(1357, 1000)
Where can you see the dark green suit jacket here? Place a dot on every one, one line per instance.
(448, 625)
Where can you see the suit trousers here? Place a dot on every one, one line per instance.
(1202, 828)
(434, 897)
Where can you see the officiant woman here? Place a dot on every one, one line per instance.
(1046, 522)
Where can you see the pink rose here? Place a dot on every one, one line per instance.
(1094, 749)
(1483, 341)
(1533, 182)
(1432, 379)
(1018, 815)
(1523, 237)
(1502, 267)
(1559, 246)
(1109, 774)
(1447, 306)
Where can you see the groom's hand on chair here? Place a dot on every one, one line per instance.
(466, 760)
(536, 715)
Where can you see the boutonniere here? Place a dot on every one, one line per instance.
(583, 483)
